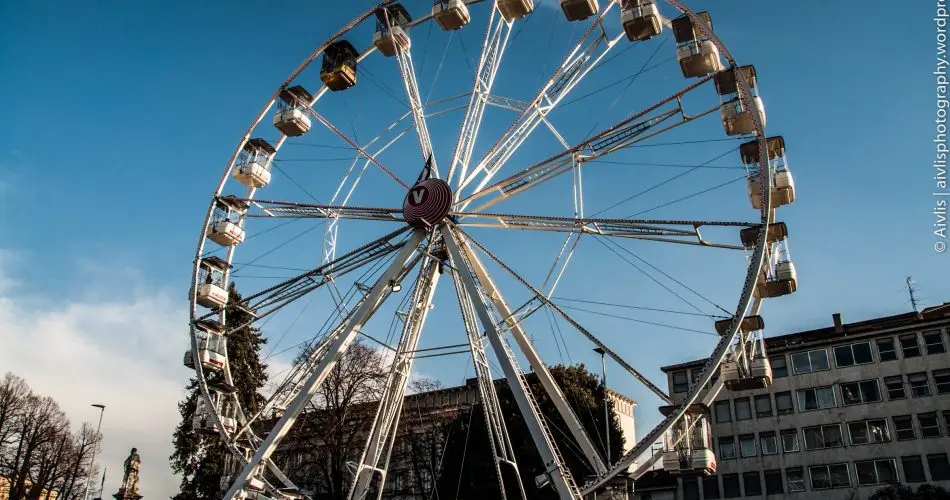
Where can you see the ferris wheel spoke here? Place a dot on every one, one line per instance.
(527, 404)
(669, 231)
(378, 448)
(408, 72)
(590, 336)
(497, 35)
(588, 52)
(344, 336)
(354, 145)
(272, 209)
(661, 117)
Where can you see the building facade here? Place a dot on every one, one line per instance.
(852, 409)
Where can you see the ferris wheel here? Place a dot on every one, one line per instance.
(472, 110)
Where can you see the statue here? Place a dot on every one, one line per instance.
(130, 481)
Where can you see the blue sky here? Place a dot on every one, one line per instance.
(119, 119)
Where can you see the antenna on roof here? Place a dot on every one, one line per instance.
(911, 289)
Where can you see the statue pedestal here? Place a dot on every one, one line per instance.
(126, 495)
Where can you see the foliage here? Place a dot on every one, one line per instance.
(201, 458)
(902, 492)
(38, 451)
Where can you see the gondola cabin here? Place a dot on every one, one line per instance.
(292, 119)
(736, 119)
(451, 14)
(253, 164)
(783, 281)
(512, 10)
(697, 54)
(748, 324)
(688, 452)
(783, 185)
(338, 70)
(212, 347)
(226, 225)
(390, 36)
(749, 236)
(759, 377)
(578, 10)
(641, 20)
(203, 420)
(211, 292)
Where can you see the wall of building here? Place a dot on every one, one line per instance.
(931, 449)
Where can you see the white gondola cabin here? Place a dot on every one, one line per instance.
(204, 421)
(292, 118)
(451, 14)
(693, 454)
(757, 374)
(783, 185)
(782, 281)
(338, 70)
(212, 347)
(748, 324)
(211, 292)
(698, 55)
(390, 36)
(253, 163)
(736, 119)
(749, 236)
(515, 9)
(641, 19)
(226, 225)
(578, 10)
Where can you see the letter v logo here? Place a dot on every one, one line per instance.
(418, 194)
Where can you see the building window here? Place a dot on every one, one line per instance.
(711, 487)
(723, 412)
(795, 477)
(790, 441)
(768, 443)
(690, 488)
(752, 483)
(876, 471)
(823, 436)
(773, 482)
(928, 425)
(730, 486)
(885, 349)
(853, 354)
(810, 361)
(816, 398)
(824, 477)
(919, 385)
(909, 345)
(946, 420)
(680, 381)
(727, 448)
(933, 341)
(869, 431)
(747, 445)
(939, 467)
(895, 387)
(913, 469)
(763, 406)
(942, 381)
(743, 409)
(904, 428)
(779, 368)
(783, 403)
(866, 391)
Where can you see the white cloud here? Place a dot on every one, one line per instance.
(122, 349)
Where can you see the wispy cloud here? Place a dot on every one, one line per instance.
(121, 349)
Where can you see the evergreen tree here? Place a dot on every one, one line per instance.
(200, 457)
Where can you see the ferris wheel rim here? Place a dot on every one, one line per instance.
(751, 305)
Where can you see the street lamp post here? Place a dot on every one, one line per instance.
(603, 371)
(92, 461)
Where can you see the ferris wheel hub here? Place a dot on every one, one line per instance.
(427, 203)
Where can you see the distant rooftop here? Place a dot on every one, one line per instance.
(841, 330)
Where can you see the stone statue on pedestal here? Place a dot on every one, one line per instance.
(130, 481)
